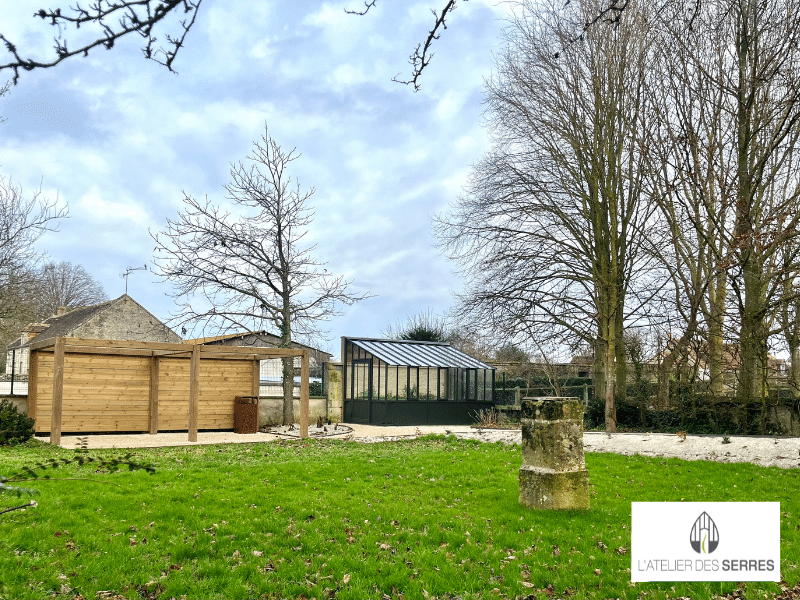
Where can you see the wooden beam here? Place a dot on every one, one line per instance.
(33, 374)
(253, 350)
(154, 395)
(256, 378)
(72, 349)
(219, 353)
(304, 370)
(92, 343)
(58, 393)
(194, 392)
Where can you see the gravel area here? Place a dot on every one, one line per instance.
(765, 451)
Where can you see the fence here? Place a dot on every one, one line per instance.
(508, 395)
(15, 380)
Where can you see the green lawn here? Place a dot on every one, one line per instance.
(431, 518)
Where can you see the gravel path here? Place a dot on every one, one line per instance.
(765, 451)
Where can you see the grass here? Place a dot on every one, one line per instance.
(430, 518)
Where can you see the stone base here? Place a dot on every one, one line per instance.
(553, 490)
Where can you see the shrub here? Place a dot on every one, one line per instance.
(15, 428)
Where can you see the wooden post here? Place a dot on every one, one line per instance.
(33, 375)
(58, 392)
(153, 395)
(256, 378)
(304, 395)
(194, 392)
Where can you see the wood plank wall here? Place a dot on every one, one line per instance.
(112, 393)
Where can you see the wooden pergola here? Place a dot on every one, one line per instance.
(122, 387)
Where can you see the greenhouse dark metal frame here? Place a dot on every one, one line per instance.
(399, 382)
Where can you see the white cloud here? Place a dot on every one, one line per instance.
(93, 206)
(449, 106)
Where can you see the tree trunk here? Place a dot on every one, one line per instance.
(716, 345)
(621, 363)
(610, 391)
(605, 372)
(794, 370)
(288, 363)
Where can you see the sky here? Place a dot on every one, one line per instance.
(119, 139)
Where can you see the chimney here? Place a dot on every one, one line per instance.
(62, 310)
(32, 330)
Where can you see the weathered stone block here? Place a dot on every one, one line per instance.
(552, 409)
(553, 444)
(547, 489)
(553, 473)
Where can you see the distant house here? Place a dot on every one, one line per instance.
(119, 319)
(695, 362)
(271, 371)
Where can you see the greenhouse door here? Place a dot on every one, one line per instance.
(358, 403)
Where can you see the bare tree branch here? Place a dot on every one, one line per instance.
(114, 19)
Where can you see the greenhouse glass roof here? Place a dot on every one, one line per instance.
(418, 354)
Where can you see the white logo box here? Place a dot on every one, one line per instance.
(705, 541)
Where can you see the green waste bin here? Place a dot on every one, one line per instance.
(245, 414)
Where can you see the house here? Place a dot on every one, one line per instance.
(694, 362)
(271, 370)
(262, 339)
(119, 319)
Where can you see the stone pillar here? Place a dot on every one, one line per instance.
(335, 392)
(553, 473)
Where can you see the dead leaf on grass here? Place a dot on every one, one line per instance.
(346, 578)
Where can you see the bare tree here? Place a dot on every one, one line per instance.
(241, 272)
(64, 284)
(727, 101)
(549, 232)
(22, 222)
(691, 168)
(421, 327)
(762, 88)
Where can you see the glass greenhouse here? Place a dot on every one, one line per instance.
(398, 382)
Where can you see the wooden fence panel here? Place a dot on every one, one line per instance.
(118, 391)
(111, 394)
(220, 382)
(173, 394)
(44, 391)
